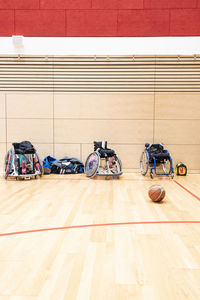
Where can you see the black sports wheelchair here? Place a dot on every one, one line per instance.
(103, 162)
(154, 156)
(22, 161)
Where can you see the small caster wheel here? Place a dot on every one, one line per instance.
(16, 178)
(172, 175)
(151, 175)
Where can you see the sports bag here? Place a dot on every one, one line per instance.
(181, 169)
(67, 165)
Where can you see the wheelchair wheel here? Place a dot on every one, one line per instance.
(118, 160)
(92, 164)
(144, 163)
(167, 167)
(39, 163)
(8, 163)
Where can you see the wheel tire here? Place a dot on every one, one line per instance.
(144, 160)
(92, 172)
(119, 162)
(41, 168)
(8, 163)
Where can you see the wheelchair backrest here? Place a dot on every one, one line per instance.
(100, 145)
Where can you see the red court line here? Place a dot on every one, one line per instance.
(195, 196)
(98, 225)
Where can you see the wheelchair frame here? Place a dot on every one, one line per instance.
(113, 169)
(153, 165)
(11, 170)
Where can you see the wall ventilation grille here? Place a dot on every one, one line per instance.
(96, 74)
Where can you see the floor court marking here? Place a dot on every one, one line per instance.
(88, 179)
(97, 225)
(107, 224)
(195, 196)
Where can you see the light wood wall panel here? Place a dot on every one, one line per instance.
(115, 131)
(103, 106)
(176, 132)
(177, 106)
(44, 150)
(2, 155)
(30, 105)
(2, 130)
(35, 130)
(189, 154)
(2, 106)
(70, 150)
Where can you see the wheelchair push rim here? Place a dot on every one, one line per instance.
(144, 163)
(39, 163)
(8, 163)
(92, 164)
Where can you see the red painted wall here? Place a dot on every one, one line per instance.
(100, 17)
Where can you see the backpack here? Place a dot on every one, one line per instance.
(47, 164)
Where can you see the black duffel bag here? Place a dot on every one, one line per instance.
(67, 165)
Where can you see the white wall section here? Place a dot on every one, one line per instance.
(103, 46)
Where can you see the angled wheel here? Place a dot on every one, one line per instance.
(92, 164)
(144, 163)
(38, 164)
(8, 163)
(119, 163)
(166, 167)
(116, 166)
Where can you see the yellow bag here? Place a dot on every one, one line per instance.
(181, 169)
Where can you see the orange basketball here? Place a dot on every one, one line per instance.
(156, 193)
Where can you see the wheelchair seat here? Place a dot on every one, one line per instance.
(24, 147)
(104, 152)
(157, 151)
(161, 155)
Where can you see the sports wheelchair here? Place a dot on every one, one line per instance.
(103, 162)
(22, 161)
(155, 156)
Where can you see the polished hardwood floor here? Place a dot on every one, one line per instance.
(132, 261)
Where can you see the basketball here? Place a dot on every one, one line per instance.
(156, 193)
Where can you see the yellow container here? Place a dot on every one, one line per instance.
(181, 169)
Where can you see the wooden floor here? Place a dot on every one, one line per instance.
(146, 261)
